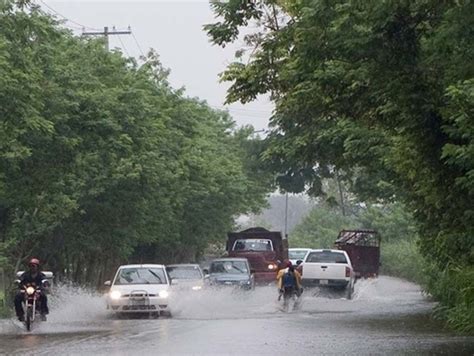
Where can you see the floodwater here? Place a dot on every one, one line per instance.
(387, 316)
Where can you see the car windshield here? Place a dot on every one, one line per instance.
(184, 272)
(253, 245)
(297, 255)
(230, 267)
(326, 257)
(141, 275)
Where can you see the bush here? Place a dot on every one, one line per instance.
(5, 311)
(454, 289)
(403, 259)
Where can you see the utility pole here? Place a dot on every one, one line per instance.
(341, 193)
(286, 215)
(106, 33)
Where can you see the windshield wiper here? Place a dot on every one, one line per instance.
(158, 277)
(238, 269)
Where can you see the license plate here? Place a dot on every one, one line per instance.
(138, 301)
(323, 281)
(228, 283)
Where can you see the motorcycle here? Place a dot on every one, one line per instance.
(31, 304)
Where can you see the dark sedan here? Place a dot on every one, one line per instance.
(233, 272)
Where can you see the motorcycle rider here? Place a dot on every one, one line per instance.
(35, 278)
(289, 280)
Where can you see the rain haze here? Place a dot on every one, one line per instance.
(174, 30)
(133, 221)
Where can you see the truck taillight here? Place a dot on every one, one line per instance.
(348, 272)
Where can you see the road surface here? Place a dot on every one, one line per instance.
(387, 316)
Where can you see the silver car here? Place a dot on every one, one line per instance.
(185, 277)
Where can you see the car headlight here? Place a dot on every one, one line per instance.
(30, 290)
(163, 294)
(272, 266)
(197, 288)
(115, 294)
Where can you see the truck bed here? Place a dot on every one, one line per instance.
(327, 268)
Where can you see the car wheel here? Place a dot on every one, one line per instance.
(166, 314)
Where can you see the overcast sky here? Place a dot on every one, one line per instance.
(174, 29)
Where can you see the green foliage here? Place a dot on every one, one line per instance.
(454, 286)
(392, 221)
(320, 228)
(102, 162)
(380, 91)
(402, 259)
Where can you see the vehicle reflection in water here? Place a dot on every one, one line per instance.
(386, 316)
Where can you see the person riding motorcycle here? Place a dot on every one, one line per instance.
(289, 280)
(35, 278)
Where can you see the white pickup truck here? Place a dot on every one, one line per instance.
(328, 268)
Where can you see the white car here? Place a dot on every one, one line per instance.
(185, 277)
(139, 289)
(329, 268)
(297, 254)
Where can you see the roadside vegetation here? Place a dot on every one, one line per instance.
(400, 256)
(102, 162)
(379, 96)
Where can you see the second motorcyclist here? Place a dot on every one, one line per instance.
(289, 281)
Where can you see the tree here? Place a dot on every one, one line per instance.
(380, 91)
(102, 162)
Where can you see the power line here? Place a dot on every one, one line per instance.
(106, 33)
(65, 18)
(123, 46)
(138, 45)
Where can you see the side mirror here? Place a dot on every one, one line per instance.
(299, 262)
(252, 271)
(206, 272)
(107, 283)
(17, 282)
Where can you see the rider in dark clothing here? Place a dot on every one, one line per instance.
(34, 278)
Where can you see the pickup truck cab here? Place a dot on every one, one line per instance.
(262, 248)
(328, 268)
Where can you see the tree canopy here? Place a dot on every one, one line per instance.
(102, 161)
(379, 95)
(381, 92)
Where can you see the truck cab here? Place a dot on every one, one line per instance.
(263, 249)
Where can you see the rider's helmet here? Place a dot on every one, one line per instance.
(34, 262)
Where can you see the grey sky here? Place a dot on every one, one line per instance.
(174, 29)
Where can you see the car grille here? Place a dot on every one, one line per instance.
(228, 283)
(138, 295)
(139, 307)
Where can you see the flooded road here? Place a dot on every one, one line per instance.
(386, 316)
